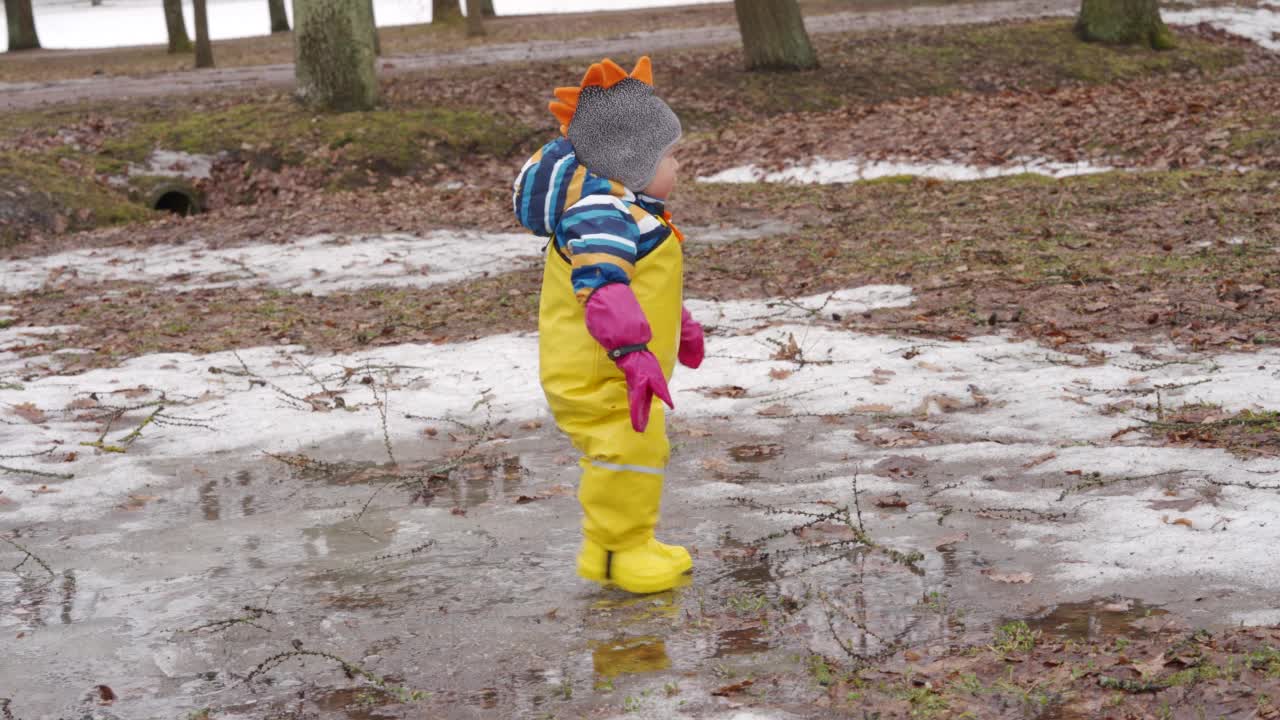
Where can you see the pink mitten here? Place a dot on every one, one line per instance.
(616, 320)
(644, 380)
(692, 343)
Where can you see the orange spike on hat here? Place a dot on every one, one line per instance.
(605, 74)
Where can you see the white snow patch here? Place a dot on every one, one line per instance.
(826, 306)
(319, 264)
(1030, 394)
(1261, 25)
(822, 171)
(466, 381)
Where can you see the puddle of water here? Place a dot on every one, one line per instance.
(476, 482)
(481, 608)
(1095, 619)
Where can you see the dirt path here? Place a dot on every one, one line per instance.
(16, 96)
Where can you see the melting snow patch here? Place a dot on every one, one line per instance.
(821, 171)
(320, 264)
(1261, 25)
(997, 402)
(827, 306)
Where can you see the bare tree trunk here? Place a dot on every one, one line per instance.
(1123, 22)
(333, 53)
(179, 41)
(445, 11)
(22, 25)
(279, 18)
(773, 35)
(373, 25)
(486, 9)
(475, 18)
(204, 49)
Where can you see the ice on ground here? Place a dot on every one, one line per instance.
(117, 23)
(321, 264)
(994, 406)
(822, 171)
(1261, 25)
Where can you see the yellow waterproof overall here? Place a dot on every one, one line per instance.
(622, 470)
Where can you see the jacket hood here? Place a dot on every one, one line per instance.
(552, 181)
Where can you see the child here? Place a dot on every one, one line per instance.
(611, 321)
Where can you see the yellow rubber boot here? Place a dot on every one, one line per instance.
(676, 552)
(620, 508)
(646, 568)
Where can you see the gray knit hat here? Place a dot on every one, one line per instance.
(619, 129)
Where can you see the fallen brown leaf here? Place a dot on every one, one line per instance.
(29, 412)
(890, 501)
(734, 688)
(729, 391)
(1013, 578)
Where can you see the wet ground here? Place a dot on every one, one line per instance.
(326, 582)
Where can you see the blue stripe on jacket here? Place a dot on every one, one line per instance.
(603, 235)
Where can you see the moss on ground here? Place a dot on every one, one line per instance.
(37, 193)
(394, 141)
(340, 150)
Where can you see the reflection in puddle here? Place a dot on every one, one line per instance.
(1095, 619)
(209, 504)
(464, 484)
(374, 531)
(68, 595)
(624, 654)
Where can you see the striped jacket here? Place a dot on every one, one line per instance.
(601, 226)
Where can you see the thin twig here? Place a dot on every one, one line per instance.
(36, 473)
(30, 556)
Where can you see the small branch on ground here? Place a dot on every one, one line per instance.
(28, 555)
(1096, 480)
(386, 433)
(351, 669)
(841, 517)
(406, 553)
(37, 453)
(35, 473)
(1243, 484)
(251, 616)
